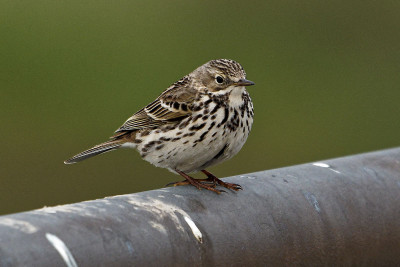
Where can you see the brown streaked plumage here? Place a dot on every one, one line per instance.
(199, 121)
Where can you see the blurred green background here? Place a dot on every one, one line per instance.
(327, 79)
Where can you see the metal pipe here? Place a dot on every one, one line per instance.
(344, 211)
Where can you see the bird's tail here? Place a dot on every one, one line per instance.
(96, 150)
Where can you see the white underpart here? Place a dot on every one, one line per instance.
(235, 97)
(236, 139)
(183, 156)
(129, 145)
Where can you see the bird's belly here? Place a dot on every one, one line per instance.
(233, 141)
(183, 150)
(194, 144)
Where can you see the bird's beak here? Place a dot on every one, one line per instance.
(244, 82)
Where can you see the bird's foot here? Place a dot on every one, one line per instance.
(186, 182)
(215, 180)
(198, 183)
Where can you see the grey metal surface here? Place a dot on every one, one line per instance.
(344, 211)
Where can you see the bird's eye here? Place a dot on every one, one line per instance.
(219, 79)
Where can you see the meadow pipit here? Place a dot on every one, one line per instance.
(199, 121)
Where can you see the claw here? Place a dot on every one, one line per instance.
(236, 186)
(210, 183)
(211, 177)
(199, 184)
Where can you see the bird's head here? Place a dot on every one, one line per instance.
(221, 76)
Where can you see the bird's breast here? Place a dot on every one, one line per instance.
(215, 132)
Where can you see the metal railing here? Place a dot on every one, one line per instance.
(344, 211)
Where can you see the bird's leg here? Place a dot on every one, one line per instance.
(215, 180)
(194, 182)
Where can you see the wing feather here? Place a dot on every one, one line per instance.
(172, 105)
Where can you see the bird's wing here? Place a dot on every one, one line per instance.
(171, 106)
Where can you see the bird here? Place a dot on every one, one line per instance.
(199, 121)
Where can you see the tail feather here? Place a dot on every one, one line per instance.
(96, 150)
